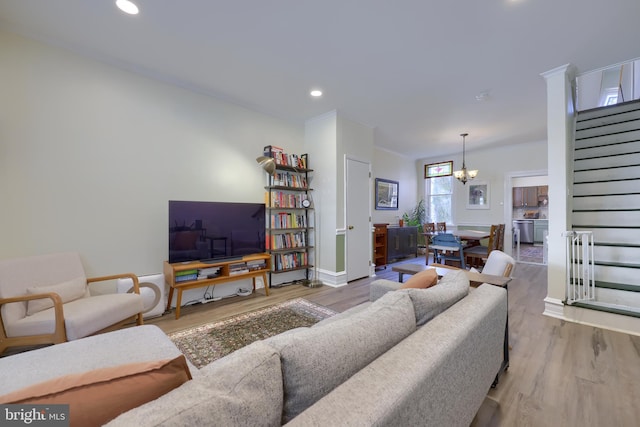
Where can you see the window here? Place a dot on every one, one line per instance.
(439, 195)
(439, 191)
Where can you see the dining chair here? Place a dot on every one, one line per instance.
(500, 244)
(444, 243)
(476, 255)
(428, 229)
(441, 227)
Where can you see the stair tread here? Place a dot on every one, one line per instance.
(617, 286)
(609, 307)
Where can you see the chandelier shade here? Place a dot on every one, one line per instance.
(463, 175)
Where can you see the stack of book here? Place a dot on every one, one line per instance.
(287, 220)
(208, 273)
(238, 268)
(186, 275)
(283, 158)
(256, 264)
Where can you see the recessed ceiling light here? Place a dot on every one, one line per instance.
(316, 93)
(127, 7)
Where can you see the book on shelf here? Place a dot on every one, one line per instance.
(186, 272)
(282, 158)
(186, 277)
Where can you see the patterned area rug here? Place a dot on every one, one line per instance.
(206, 343)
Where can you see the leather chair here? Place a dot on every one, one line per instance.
(46, 299)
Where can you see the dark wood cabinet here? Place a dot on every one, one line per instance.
(380, 245)
(402, 242)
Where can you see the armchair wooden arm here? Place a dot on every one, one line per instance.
(59, 334)
(133, 277)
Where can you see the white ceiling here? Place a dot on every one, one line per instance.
(409, 68)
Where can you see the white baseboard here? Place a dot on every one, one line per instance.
(333, 279)
(554, 307)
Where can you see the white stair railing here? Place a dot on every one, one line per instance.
(580, 266)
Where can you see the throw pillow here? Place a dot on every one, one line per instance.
(422, 280)
(242, 388)
(97, 396)
(428, 303)
(68, 291)
(317, 360)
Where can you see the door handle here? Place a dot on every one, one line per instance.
(350, 227)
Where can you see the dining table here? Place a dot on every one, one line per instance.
(472, 237)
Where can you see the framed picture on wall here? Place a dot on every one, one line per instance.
(478, 196)
(386, 194)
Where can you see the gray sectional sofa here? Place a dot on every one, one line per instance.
(410, 357)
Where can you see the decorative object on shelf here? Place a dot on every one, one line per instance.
(464, 175)
(386, 194)
(478, 195)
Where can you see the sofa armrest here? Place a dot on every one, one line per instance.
(381, 286)
(133, 277)
(59, 332)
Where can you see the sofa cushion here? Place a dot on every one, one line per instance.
(67, 291)
(428, 303)
(242, 388)
(82, 317)
(422, 280)
(95, 397)
(316, 360)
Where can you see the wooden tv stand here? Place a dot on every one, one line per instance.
(225, 275)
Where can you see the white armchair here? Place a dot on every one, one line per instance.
(46, 299)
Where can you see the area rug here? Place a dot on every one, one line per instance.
(531, 254)
(206, 343)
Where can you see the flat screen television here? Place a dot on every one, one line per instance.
(215, 231)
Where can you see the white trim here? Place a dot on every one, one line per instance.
(554, 307)
(334, 280)
(602, 319)
(598, 70)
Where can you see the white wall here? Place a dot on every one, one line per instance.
(90, 156)
(320, 143)
(396, 167)
(329, 138)
(494, 165)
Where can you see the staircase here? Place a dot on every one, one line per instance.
(606, 201)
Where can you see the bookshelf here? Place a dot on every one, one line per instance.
(289, 222)
(182, 276)
(380, 245)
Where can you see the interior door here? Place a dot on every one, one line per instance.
(358, 216)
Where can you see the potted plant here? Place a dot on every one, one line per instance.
(417, 217)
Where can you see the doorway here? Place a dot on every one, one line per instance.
(526, 211)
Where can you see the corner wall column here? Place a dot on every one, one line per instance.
(560, 131)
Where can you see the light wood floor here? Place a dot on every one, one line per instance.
(561, 373)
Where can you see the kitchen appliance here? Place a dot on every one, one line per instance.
(526, 230)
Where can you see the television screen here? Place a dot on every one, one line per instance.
(210, 231)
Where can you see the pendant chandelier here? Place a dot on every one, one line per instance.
(463, 175)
